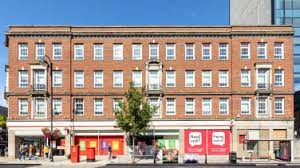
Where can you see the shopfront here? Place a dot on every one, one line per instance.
(37, 143)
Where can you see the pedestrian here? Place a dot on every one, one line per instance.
(30, 150)
(46, 151)
(155, 151)
(109, 151)
(20, 151)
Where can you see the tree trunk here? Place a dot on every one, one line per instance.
(133, 149)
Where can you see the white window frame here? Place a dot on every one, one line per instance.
(98, 102)
(59, 74)
(226, 102)
(187, 80)
(21, 47)
(57, 102)
(221, 47)
(154, 80)
(117, 55)
(135, 78)
(171, 104)
(226, 75)
(189, 46)
(242, 47)
(204, 73)
(22, 112)
(186, 107)
(281, 48)
(39, 47)
(248, 104)
(276, 110)
(78, 84)
(277, 83)
(137, 47)
(170, 46)
(116, 102)
(21, 76)
(98, 52)
(98, 83)
(170, 82)
(78, 47)
(36, 107)
(206, 111)
(206, 46)
(263, 48)
(57, 47)
(151, 47)
(75, 108)
(248, 76)
(117, 85)
(258, 113)
(157, 105)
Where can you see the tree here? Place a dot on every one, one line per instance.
(3, 121)
(134, 114)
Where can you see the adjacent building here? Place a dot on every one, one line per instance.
(216, 89)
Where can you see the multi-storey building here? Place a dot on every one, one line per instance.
(217, 89)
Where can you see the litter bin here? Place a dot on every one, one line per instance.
(90, 154)
(75, 154)
(232, 157)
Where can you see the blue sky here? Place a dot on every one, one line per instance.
(107, 12)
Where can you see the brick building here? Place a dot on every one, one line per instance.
(217, 89)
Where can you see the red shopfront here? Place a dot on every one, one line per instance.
(215, 142)
(101, 144)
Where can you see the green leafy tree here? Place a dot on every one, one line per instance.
(2, 121)
(134, 114)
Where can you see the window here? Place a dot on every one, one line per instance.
(40, 51)
(206, 78)
(206, 51)
(262, 79)
(189, 78)
(278, 51)
(79, 106)
(98, 79)
(245, 50)
(116, 105)
(118, 78)
(262, 106)
(57, 106)
(155, 104)
(137, 78)
(170, 78)
(170, 106)
(23, 51)
(79, 79)
(245, 105)
(279, 77)
(153, 51)
(223, 51)
(78, 52)
(57, 51)
(279, 105)
(98, 51)
(118, 52)
(189, 106)
(223, 106)
(23, 78)
(57, 78)
(39, 79)
(206, 106)
(262, 50)
(154, 82)
(189, 51)
(23, 107)
(137, 51)
(170, 51)
(223, 78)
(98, 106)
(40, 106)
(245, 78)
(251, 145)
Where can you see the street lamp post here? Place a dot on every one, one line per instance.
(49, 65)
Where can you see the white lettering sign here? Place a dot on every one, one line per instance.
(195, 138)
(218, 138)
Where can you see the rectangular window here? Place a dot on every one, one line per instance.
(118, 52)
(98, 106)
(23, 107)
(189, 106)
(117, 105)
(154, 82)
(189, 78)
(262, 50)
(189, 51)
(262, 78)
(170, 106)
(78, 52)
(170, 78)
(98, 51)
(98, 79)
(206, 78)
(40, 51)
(155, 104)
(57, 78)
(39, 79)
(137, 78)
(206, 106)
(153, 51)
(57, 51)
(206, 51)
(23, 78)
(245, 78)
(223, 51)
(78, 106)
(278, 51)
(40, 107)
(137, 52)
(57, 106)
(279, 105)
(170, 51)
(245, 50)
(118, 78)
(262, 106)
(245, 105)
(223, 106)
(279, 77)
(223, 78)
(79, 79)
(23, 51)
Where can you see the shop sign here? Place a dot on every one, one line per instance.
(82, 145)
(168, 143)
(115, 145)
(93, 144)
(104, 145)
(218, 142)
(194, 141)
(253, 135)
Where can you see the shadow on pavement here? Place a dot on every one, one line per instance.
(18, 165)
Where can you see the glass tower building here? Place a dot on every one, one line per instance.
(288, 12)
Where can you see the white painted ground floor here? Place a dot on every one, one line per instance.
(255, 139)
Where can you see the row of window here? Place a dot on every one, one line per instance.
(223, 76)
(154, 51)
(40, 106)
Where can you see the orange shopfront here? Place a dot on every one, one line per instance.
(101, 143)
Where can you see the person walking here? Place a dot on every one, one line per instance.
(109, 152)
(30, 150)
(46, 151)
(21, 152)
